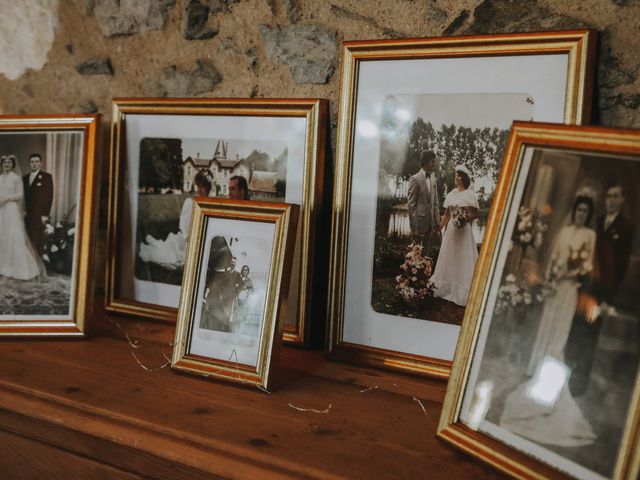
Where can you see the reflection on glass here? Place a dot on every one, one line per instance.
(367, 129)
(548, 381)
(480, 405)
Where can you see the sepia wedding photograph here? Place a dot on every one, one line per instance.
(233, 298)
(40, 183)
(565, 332)
(237, 276)
(439, 161)
(174, 170)
(166, 152)
(554, 371)
(423, 131)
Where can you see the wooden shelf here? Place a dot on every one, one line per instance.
(92, 402)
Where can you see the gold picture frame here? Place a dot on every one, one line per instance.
(47, 269)
(293, 128)
(390, 90)
(553, 313)
(237, 336)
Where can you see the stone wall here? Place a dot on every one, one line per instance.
(75, 55)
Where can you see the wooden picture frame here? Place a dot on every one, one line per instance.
(282, 140)
(50, 211)
(402, 99)
(545, 380)
(235, 288)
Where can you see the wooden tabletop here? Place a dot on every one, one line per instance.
(113, 399)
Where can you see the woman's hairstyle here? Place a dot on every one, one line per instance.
(466, 181)
(243, 267)
(9, 157)
(203, 180)
(580, 200)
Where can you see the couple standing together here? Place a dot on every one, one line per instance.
(458, 252)
(22, 238)
(588, 267)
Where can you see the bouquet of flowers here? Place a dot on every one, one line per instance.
(577, 265)
(530, 227)
(58, 244)
(514, 294)
(459, 216)
(413, 283)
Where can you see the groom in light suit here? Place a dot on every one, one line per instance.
(422, 200)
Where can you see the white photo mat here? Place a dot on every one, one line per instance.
(544, 77)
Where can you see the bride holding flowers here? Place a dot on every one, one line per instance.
(458, 253)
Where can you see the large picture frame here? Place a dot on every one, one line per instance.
(447, 103)
(545, 378)
(158, 147)
(231, 316)
(48, 206)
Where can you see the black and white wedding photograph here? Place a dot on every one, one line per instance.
(438, 168)
(174, 170)
(39, 196)
(232, 290)
(562, 351)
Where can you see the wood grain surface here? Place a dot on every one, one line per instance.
(96, 400)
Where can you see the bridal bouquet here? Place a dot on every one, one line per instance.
(413, 283)
(459, 216)
(577, 265)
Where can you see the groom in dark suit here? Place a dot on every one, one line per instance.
(614, 234)
(38, 197)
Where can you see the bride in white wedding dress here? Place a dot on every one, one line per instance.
(528, 411)
(458, 253)
(18, 258)
(170, 252)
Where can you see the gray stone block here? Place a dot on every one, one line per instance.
(308, 50)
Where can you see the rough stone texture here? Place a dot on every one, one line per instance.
(87, 106)
(494, 16)
(388, 32)
(196, 18)
(292, 10)
(45, 79)
(172, 82)
(308, 50)
(26, 35)
(95, 66)
(126, 17)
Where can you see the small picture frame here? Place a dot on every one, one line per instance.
(545, 379)
(422, 128)
(166, 151)
(236, 281)
(48, 204)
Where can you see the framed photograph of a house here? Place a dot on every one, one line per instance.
(167, 151)
(233, 298)
(422, 130)
(545, 381)
(48, 205)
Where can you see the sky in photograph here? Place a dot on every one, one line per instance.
(471, 110)
(243, 148)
